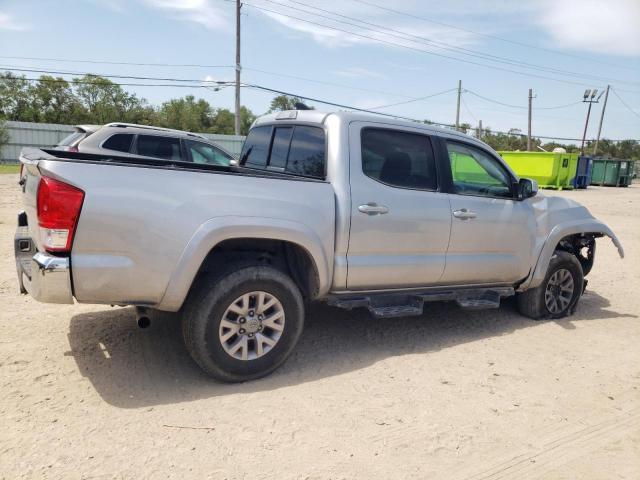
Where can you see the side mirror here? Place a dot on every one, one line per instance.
(527, 188)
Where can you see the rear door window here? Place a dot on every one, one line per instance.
(120, 142)
(167, 148)
(399, 159)
(204, 153)
(306, 155)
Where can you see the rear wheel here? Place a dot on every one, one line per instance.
(558, 294)
(243, 325)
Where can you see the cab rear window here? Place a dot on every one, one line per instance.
(295, 149)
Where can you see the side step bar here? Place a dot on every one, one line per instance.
(387, 305)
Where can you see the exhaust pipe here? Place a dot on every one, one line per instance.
(142, 317)
(144, 322)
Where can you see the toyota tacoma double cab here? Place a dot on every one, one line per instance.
(351, 209)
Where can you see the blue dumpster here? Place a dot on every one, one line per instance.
(583, 172)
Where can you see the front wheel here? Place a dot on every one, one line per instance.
(558, 294)
(243, 325)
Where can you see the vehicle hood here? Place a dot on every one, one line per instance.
(553, 214)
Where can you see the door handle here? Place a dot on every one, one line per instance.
(373, 208)
(464, 214)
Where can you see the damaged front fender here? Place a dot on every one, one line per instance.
(590, 226)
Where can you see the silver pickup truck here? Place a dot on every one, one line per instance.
(350, 209)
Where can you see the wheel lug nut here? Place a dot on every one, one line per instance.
(251, 312)
(260, 317)
(242, 320)
(250, 335)
(242, 330)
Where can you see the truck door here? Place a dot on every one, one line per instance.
(492, 233)
(400, 222)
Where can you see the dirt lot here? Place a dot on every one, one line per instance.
(451, 395)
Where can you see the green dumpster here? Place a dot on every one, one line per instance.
(612, 172)
(549, 169)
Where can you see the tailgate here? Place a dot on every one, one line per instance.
(45, 276)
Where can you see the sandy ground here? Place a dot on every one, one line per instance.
(450, 395)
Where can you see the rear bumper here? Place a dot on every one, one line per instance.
(45, 277)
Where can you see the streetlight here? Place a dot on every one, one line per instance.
(590, 98)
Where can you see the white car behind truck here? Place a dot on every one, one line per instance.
(350, 209)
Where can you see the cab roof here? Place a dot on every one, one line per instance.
(320, 117)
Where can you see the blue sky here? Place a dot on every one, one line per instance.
(392, 58)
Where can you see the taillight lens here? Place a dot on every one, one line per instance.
(59, 207)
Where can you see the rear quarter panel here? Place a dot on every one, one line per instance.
(139, 227)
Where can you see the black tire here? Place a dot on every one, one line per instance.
(207, 304)
(532, 304)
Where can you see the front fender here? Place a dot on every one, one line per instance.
(219, 229)
(558, 233)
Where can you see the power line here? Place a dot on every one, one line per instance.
(348, 107)
(521, 106)
(487, 35)
(85, 82)
(129, 77)
(332, 84)
(281, 92)
(437, 44)
(414, 99)
(266, 72)
(467, 108)
(106, 62)
(395, 44)
(625, 103)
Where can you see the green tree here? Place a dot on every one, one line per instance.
(224, 121)
(284, 102)
(53, 101)
(4, 136)
(14, 97)
(104, 101)
(246, 119)
(186, 114)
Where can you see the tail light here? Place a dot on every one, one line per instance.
(59, 207)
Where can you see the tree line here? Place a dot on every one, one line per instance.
(92, 99)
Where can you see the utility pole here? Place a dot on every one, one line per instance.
(604, 106)
(529, 130)
(480, 128)
(458, 106)
(590, 98)
(237, 119)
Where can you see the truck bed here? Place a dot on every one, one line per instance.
(146, 225)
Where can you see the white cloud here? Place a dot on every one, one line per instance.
(395, 30)
(7, 22)
(358, 72)
(611, 27)
(197, 11)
